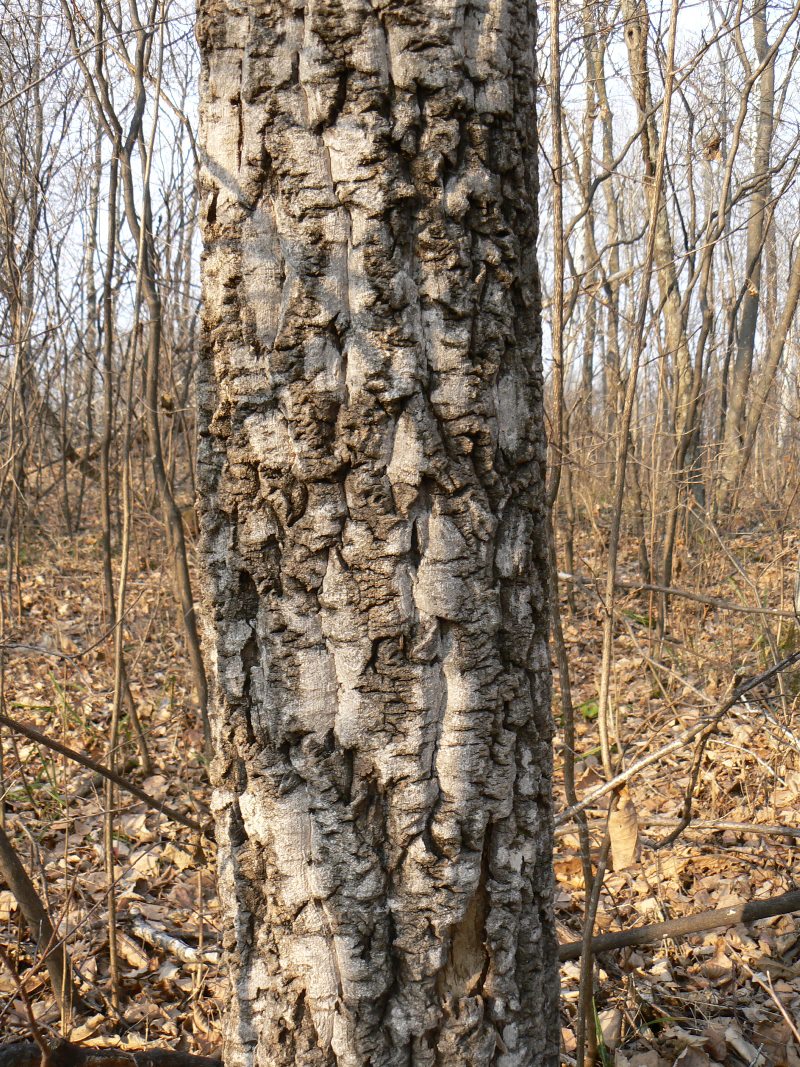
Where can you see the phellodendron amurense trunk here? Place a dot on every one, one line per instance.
(373, 546)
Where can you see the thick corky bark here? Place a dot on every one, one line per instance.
(373, 531)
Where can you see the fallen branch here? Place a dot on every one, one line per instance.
(124, 783)
(152, 935)
(66, 1054)
(687, 924)
(755, 828)
(722, 825)
(685, 594)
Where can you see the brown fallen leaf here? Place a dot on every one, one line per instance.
(774, 1037)
(623, 829)
(8, 905)
(640, 1059)
(743, 1048)
(611, 1027)
(87, 1030)
(719, 969)
(692, 1057)
(569, 871)
(714, 1042)
(131, 952)
(173, 854)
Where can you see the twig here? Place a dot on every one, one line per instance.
(115, 976)
(767, 987)
(688, 924)
(568, 714)
(702, 741)
(779, 726)
(586, 992)
(38, 1036)
(694, 774)
(124, 783)
(624, 435)
(673, 746)
(54, 954)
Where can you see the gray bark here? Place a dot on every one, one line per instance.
(373, 532)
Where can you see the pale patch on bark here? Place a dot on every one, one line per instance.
(371, 473)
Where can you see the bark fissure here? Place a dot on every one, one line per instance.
(373, 534)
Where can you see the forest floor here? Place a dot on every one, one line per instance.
(730, 996)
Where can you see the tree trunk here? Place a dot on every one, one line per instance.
(373, 532)
(637, 22)
(761, 391)
(741, 370)
(595, 36)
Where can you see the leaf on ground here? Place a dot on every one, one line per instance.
(623, 829)
(719, 969)
(692, 1057)
(610, 1022)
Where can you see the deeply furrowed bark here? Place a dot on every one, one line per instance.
(371, 479)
